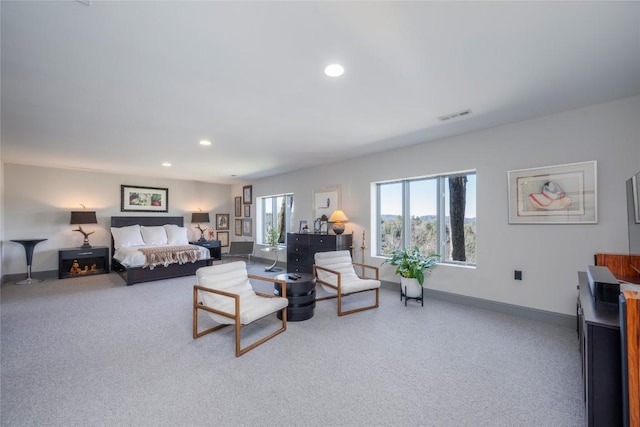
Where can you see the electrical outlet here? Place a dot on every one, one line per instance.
(517, 274)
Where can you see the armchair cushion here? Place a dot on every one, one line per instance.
(340, 262)
(233, 278)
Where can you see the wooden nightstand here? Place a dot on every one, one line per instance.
(89, 261)
(215, 250)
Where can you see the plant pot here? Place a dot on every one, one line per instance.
(410, 287)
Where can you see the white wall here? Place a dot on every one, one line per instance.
(548, 255)
(37, 204)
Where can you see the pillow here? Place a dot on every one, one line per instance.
(176, 235)
(126, 236)
(153, 235)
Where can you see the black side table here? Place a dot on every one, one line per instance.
(29, 244)
(301, 293)
(215, 251)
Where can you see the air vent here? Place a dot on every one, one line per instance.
(454, 115)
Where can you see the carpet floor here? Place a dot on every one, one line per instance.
(91, 351)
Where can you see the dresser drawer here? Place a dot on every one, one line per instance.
(322, 243)
(293, 258)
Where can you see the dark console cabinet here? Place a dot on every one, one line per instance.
(81, 262)
(599, 332)
(302, 247)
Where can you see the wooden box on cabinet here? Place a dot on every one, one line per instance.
(301, 247)
(89, 261)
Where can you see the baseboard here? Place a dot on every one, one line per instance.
(558, 319)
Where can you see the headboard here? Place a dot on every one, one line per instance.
(124, 221)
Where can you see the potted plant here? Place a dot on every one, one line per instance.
(272, 237)
(411, 266)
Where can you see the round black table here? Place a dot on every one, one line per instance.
(29, 244)
(301, 293)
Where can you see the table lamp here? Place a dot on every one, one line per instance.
(200, 217)
(338, 218)
(83, 217)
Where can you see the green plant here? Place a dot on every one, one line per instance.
(410, 263)
(272, 237)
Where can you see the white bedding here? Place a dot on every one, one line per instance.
(132, 257)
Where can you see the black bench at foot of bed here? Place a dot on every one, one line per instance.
(133, 275)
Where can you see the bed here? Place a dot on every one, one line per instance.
(130, 265)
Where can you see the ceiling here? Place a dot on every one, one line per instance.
(122, 87)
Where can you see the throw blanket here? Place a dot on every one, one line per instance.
(169, 255)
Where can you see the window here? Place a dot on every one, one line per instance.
(275, 213)
(437, 214)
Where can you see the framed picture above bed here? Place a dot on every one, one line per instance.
(143, 199)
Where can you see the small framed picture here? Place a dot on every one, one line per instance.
(223, 236)
(238, 227)
(246, 227)
(247, 211)
(222, 221)
(304, 227)
(238, 206)
(247, 195)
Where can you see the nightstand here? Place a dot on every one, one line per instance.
(215, 250)
(81, 262)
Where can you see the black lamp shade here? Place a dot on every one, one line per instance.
(200, 217)
(83, 217)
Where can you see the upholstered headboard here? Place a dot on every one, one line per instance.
(124, 221)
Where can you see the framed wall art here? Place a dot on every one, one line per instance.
(143, 199)
(247, 194)
(222, 221)
(238, 227)
(325, 201)
(237, 201)
(246, 227)
(247, 211)
(562, 194)
(223, 236)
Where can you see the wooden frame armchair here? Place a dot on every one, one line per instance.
(224, 291)
(335, 271)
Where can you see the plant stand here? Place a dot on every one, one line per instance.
(405, 285)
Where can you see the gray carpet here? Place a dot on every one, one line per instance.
(91, 351)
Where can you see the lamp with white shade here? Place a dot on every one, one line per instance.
(338, 218)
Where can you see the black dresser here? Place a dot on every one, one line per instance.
(301, 247)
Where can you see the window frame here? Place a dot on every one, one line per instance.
(441, 222)
(261, 212)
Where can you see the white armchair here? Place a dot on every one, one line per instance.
(334, 270)
(224, 291)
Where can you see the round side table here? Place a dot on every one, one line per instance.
(301, 294)
(28, 244)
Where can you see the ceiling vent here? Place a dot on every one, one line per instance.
(454, 115)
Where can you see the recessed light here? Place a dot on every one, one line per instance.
(166, 164)
(205, 142)
(334, 70)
